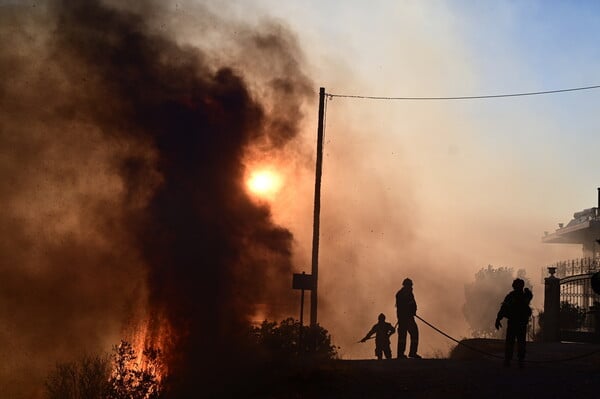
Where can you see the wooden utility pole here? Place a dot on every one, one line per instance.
(317, 210)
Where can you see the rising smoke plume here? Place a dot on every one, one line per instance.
(122, 163)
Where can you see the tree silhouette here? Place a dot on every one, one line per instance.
(132, 378)
(120, 376)
(484, 296)
(86, 378)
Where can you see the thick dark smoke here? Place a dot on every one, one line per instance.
(122, 170)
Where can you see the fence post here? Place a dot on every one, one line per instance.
(550, 329)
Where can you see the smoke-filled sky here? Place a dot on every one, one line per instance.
(437, 190)
(102, 201)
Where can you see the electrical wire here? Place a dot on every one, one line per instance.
(533, 93)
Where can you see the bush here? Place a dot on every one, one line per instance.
(120, 376)
(86, 378)
(287, 340)
(571, 316)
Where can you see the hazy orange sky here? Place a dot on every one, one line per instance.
(437, 190)
(431, 190)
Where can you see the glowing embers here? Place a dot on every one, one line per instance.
(264, 183)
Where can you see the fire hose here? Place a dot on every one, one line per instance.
(474, 349)
(502, 357)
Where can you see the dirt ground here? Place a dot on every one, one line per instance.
(466, 375)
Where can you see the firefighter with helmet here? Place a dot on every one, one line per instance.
(382, 331)
(406, 309)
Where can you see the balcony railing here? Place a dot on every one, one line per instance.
(574, 267)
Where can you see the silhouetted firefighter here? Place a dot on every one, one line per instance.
(406, 309)
(516, 309)
(382, 331)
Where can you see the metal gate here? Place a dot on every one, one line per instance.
(579, 304)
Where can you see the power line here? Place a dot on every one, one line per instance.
(533, 93)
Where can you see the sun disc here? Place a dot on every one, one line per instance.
(264, 183)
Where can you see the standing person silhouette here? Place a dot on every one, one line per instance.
(406, 309)
(382, 331)
(516, 309)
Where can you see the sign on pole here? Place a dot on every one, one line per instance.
(302, 281)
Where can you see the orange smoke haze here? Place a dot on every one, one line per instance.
(396, 203)
(426, 190)
(127, 215)
(419, 190)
